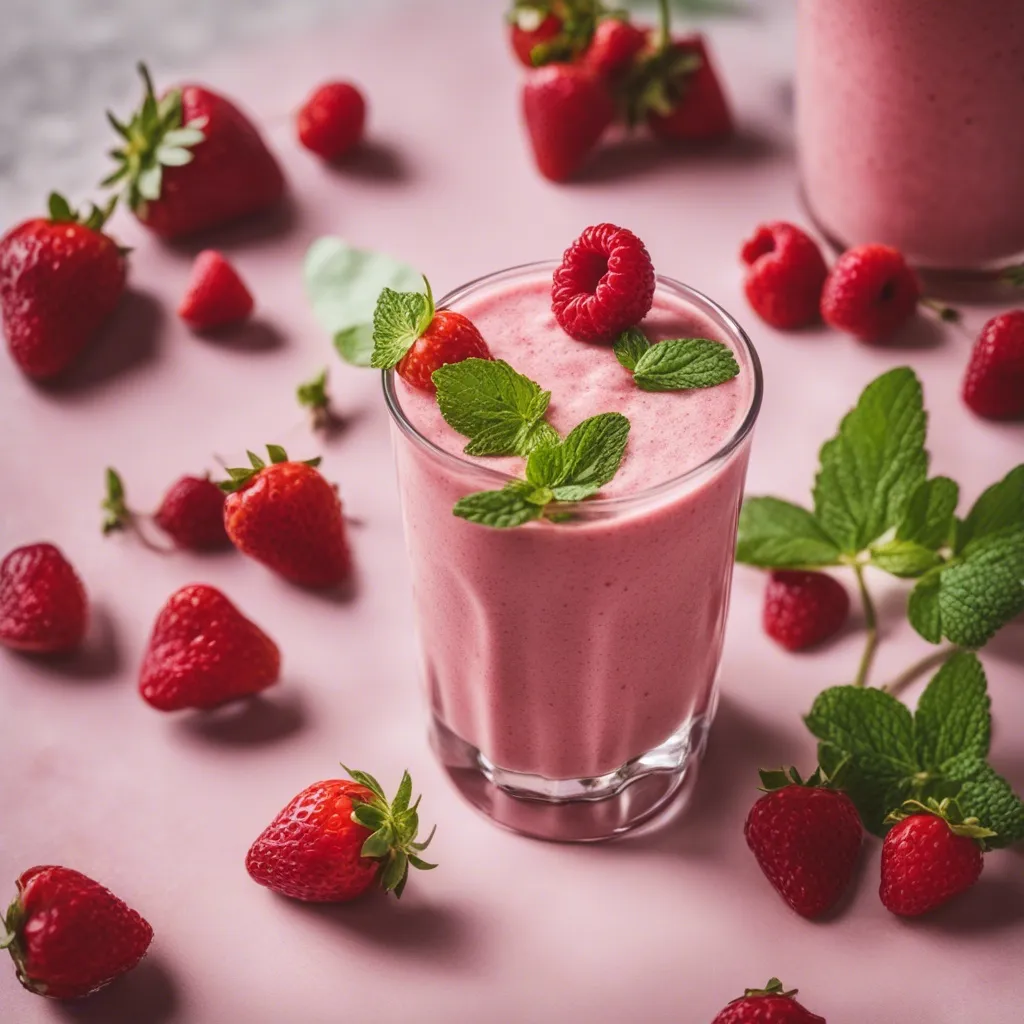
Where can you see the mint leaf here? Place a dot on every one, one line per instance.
(498, 409)
(987, 796)
(929, 518)
(923, 607)
(584, 462)
(953, 717)
(1000, 508)
(776, 534)
(630, 347)
(343, 284)
(685, 364)
(904, 558)
(398, 320)
(871, 783)
(502, 509)
(870, 469)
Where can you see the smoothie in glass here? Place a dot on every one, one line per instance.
(571, 667)
(909, 126)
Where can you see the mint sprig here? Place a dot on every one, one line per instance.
(398, 321)
(568, 471)
(682, 364)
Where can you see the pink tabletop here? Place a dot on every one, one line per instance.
(666, 926)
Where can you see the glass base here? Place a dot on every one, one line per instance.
(576, 810)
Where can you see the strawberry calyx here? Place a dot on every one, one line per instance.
(240, 476)
(773, 988)
(118, 515)
(11, 941)
(772, 780)
(948, 809)
(393, 828)
(153, 139)
(312, 394)
(94, 217)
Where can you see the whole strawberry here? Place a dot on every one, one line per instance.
(785, 276)
(69, 936)
(288, 517)
(768, 1005)
(931, 854)
(332, 120)
(337, 838)
(204, 652)
(871, 292)
(567, 109)
(191, 160)
(192, 514)
(806, 838)
(60, 279)
(43, 606)
(802, 608)
(994, 382)
(411, 334)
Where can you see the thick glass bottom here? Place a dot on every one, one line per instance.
(576, 810)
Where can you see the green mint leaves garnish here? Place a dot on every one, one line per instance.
(889, 755)
(398, 321)
(499, 410)
(567, 471)
(679, 365)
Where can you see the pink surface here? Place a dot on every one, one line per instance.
(664, 927)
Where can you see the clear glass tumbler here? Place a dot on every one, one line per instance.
(580, 713)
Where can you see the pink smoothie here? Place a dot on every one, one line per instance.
(566, 650)
(910, 128)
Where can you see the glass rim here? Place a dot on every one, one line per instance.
(596, 506)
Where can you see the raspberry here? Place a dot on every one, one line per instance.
(786, 276)
(331, 121)
(994, 384)
(216, 295)
(450, 338)
(605, 284)
(870, 293)
(803, 608)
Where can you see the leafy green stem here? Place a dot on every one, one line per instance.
(919, 668)
(871, 625)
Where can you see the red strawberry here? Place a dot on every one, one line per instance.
(60, 278)
(192, 514)
(331, 121)
(870, 293)
(615, 44)
(802, 608)
(204, 652)
(768, 1005)
(567, 109)
(787, 273)
(929, 856)
(994, 384)
(806, 838)
(604, 285)
(336, 838)
(43, 607)
(69, 936)
(216, 295)
(287, 516)
(191, 161)
(531, 27)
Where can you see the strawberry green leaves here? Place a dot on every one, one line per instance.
(567, 471)
(889, 755)
(239, 476)
(677, 365)
(118, 515)
(398, 320)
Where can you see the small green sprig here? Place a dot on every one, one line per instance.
(681, 364)
(314, 396)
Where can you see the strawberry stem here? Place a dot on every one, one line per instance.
(871, 623)
(948, 314)
(664, 26)
(919, 668)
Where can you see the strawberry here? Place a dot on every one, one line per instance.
(216, 295)
(532, 26)
(287, 516)
(994, 384)
(60, 279)
(552, 31)
(931, 854)
(786, 275)
(204, 652)
(192, 161)
(803, 608)
(768, 1005)
(616, 42)
(806, 837)
(566, 109)
(192, 514)
(336, 838)
(332, 120)
(69, 936)
(43, 606)
(692, 106)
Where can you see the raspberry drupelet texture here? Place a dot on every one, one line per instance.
(802, 608)
(604, 285)
(786, 275)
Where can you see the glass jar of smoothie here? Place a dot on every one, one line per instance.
(571, 667)
(910, 127)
